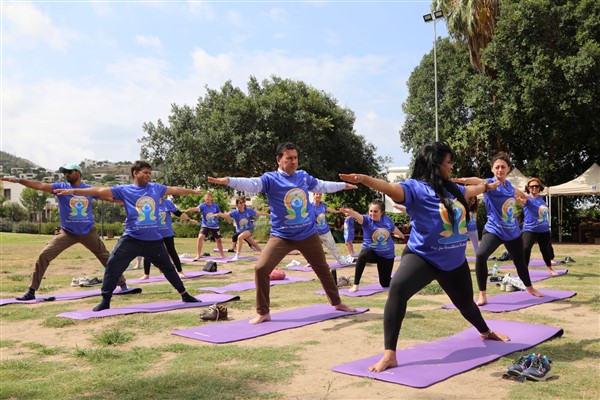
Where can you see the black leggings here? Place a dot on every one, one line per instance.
(384, 266)
(489, 243)
(543, 240)
(413, 275)
(170, 244)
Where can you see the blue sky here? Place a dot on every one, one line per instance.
(80, 78)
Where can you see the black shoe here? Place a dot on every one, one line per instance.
(188, 298)
(216, 312)
(27, 296)
(231, 251)
(104, 305)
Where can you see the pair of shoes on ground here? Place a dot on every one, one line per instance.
(535, 367)
(83, 282)
(75, 281)
(509, 280)
(346, 260)
(343, 281)
(215, 312)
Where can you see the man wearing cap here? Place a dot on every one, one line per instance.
(76, 225)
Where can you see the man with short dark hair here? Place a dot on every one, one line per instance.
(76, 225)
(142, 236)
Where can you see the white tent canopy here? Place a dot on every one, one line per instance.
(518, 180)
(587, 183)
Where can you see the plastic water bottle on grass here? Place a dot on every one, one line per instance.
(495, 269)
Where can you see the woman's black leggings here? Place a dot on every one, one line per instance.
(170, 244)
(489, 243)
(384, 266)
(543, 240)
(413, 275)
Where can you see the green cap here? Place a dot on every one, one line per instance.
(69, 167)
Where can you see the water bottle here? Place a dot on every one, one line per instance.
(495, 269)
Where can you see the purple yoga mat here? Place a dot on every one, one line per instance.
(207, 300)
(241, 286)
(425, 364)
(226, 332)
(67, 296)
(532, 263)
(537, 275)
(367, 290)
(227, 259)
(189, 275)
(512, 301)
(306, 268)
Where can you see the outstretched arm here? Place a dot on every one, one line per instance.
(358, 217)
(395, 191)
(100, 192)
(37, 185)
(482, 187)
(178, 190)
(473, 180)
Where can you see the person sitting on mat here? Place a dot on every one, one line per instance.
(141, 236)
(244, 227)
(292, 224)
(436, 247)
(378, 244)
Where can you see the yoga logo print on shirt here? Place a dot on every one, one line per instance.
(146, 208)
(380, 238)
(243, 224)
(78, 205)
(162, 219)
(508, 212)
(321, 220)
(543, 214)
(210, 218)
(453, 233)
(296, 204)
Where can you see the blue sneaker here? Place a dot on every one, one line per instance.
(520, 365)
(539, 369)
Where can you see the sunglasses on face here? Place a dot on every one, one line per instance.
(534, 186)
(68, 171)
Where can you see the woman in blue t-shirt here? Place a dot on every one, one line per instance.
(535, 225)
(502, 226)
(436, 247)
(378, 244)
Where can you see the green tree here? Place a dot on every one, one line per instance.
(12, 211)
(34, 200)
(231, 133)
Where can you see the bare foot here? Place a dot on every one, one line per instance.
(482, 300)
(387, 361)
(552, 271)
(260, 319)
(343, 307)
(533, 291)
(491, 335)
(145, 277)
(353, 289)
(182, 275)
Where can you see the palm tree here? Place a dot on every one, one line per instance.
(472, 22)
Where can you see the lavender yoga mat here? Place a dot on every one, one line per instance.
(227, 259)
(425, 364)
(226, 332)
(68, 296)
(189, 275)
(533, 263)
(512, 301)
(537, 275)
(207, 300)
(241, 286)
(367, 290)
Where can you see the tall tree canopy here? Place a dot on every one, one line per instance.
(546, 55)
(232, 133)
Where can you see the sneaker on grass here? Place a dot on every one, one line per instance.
(521, 365)
(539, 369)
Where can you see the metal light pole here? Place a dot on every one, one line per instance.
(40, 194)
(428, 18)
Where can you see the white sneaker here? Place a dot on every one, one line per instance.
(235, 258)
(75, 282)
(346, 260)
(84, 281)
(294, 263)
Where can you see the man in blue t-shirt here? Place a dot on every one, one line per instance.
(293, 224)
(76, 226)
(142, 236)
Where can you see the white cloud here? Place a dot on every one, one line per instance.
(26, 25)
(278, 15)
(202, 10)
(149, 41)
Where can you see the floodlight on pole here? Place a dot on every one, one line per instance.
(438, 14)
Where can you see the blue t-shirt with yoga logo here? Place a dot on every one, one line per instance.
(208, 215)
(291, 210)
(432, 236)
(377, 235)
(243, 219)
(500, 206)
(472, 224)
(141, 207)
(165, 226)
(536, 215)
(320, 212)
(75, 211)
